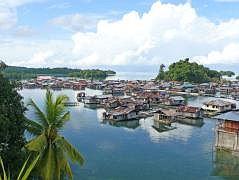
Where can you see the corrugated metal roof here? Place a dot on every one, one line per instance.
(231, 116)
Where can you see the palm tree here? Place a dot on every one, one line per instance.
(54, 149)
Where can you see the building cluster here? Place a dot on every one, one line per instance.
(130, 100)
(125, 100)
(122, 87)
(55, 83)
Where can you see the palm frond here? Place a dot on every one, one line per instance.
(59, 157)
(66, 168)
(49, 163)
(23, 168)
(60, 106)
(70, 150)
(28, 170)
(3, 170)
(60, 100)
(64, 165)
(33, 127)
(63, 119)
(56, 109)
(39, 114)
(49, 107)
(37, 144)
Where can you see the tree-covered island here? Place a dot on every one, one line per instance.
(14, 72)
(186, 71)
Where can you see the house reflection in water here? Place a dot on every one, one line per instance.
(225, 164)
(161, 127)
(192, 122)
(133, 124)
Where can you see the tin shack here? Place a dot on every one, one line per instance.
(227, 132)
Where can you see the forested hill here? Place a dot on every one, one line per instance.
(186, 71)
(14, 72)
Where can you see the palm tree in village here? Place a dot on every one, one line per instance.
(54, 150)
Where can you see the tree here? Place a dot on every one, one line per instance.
(161, 75)
(227, 73)
(12, 124)
(237, 78)
(2, 65)
(54, 150)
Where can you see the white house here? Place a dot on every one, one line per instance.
(218, 106)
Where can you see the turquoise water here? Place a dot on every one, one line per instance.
(135, 150)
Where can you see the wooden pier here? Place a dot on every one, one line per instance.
(71, 104)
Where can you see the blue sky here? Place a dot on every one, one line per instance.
(38, 14)
(119, 34)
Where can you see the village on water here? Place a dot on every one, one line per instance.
(128, 100)
(119, 90)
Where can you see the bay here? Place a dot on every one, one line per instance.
(135, 150)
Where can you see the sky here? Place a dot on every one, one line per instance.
(125, 35)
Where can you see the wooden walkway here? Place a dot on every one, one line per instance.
(72, 104)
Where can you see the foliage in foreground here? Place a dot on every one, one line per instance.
(185, 71)
(24, 172)
(12, 125)
(54, 150)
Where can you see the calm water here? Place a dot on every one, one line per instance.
(133, 76)
(135, 150)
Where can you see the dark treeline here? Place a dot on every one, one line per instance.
(14, 72)
(227, 73)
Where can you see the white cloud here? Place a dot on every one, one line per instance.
(44, 53)
(8, 12)
(7, 18)
(63, 5)
(23, 31)
(164, 34)
(75, 22)
(229, 55)
(14, 3)
(40, 58)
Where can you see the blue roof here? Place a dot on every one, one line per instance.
(188, 85)
(232, 115)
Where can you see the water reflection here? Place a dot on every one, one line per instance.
(192, 122)
(179, 132)
(225, 164)
(126, 124)
(161, 127)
